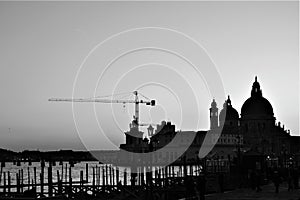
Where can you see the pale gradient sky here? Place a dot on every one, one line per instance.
(42, 45)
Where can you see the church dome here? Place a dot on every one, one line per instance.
(231, 113)
(257, 105)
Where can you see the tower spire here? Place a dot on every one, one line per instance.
(214, 115)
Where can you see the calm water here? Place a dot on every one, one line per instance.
(28, 173)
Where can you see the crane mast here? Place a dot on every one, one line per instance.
(136, 101)
(136, 117)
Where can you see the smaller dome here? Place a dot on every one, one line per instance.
(228, 112)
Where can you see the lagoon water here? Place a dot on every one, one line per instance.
(28, 171)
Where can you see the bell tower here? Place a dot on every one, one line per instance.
(214, 115)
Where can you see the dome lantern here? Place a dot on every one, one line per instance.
(228, 112)
(256, 91)
(228, 101)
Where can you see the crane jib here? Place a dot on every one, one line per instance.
(151, 103)
(136, 101)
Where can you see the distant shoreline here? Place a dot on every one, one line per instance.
(36, 155)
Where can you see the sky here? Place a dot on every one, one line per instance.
(182, 54)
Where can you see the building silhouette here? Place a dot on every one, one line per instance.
(254, 134)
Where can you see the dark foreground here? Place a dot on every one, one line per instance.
(267, 193)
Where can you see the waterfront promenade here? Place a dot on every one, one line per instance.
(267, 193)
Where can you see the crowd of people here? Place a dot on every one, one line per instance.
(277, 176)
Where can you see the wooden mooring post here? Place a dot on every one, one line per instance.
(93, 181)
(106, 174)
(22, 180)
(50, 186)
(70, 192)
(110, 175)
(117, 175)
(97, 175)
(81, 180)
(28, 178)
(18, 182)
(42, 183)
(113, 176)
(125, 177)
(34, 174)
(59, 183)
(8, 182)
(66, 174)
(87, 172)
(62, 171)
(42, 176)
(1, 170)
(4, 182)
(57, 176)
(166, 176)
(103, 179)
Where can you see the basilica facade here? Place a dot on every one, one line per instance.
(232, 137)
(253, 132)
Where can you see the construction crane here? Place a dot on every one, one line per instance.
(136, 101)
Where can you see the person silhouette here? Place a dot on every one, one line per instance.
(257, 181)
(201, 182)
(276, 180)
(221, 182)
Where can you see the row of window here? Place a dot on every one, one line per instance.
(252, 124)
(227, 140)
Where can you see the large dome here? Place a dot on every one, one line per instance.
(257, 105)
